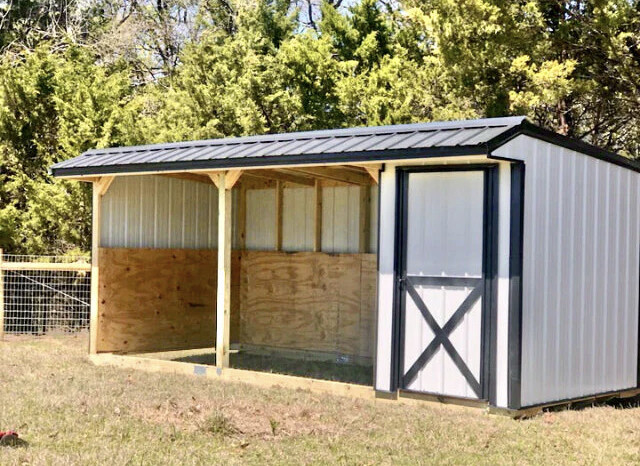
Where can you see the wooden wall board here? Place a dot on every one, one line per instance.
(164, 299)
(153, 299)
(306, 300)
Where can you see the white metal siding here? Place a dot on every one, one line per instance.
(386, 283)
(298, 219)
(580, 273)
(155, 211)
(340, 219)
(261, 219)
(502, 324)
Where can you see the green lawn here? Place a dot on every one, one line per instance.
(71, 412)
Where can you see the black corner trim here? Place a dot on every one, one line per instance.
(515, 286)
(638, 338)
(529, 129)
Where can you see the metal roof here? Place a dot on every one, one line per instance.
(360, 144)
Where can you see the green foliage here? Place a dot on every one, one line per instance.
(99, 73)
(53, 105)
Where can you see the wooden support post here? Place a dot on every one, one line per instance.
(1, 296)
(242, 217)
(279, 198)
(95, 244)
(365, 219)
(223, 304)
(317, 216)
(100, 187)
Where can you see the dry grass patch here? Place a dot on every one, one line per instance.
(72, 412)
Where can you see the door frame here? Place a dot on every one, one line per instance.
(489, 275)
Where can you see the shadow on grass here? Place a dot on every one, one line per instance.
(614, 402)
(324, 370)
(13, 441)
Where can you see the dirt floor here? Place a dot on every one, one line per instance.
(69, 411)
(328, 370)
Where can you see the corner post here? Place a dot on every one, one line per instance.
(223, 296)
(100, 187)
(95, 246)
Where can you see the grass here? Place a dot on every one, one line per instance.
(71, 412)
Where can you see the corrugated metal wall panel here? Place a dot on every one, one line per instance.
(340, 219)
(155, 211)
(297, 219)
(163, 212)
(580, 273)
(261, 219)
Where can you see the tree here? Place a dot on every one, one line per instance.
(53, 105)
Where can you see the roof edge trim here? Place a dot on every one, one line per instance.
(529, 129)
(263, 162)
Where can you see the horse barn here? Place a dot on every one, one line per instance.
(486, 262)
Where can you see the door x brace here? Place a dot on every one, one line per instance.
(441, 335)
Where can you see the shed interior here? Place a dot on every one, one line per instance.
(302, 269)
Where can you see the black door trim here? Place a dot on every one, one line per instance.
(515, 286)
(489, 279)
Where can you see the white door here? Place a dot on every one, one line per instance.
(442, 283)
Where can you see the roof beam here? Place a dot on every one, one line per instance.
(333, 174)
(279, 175)
(189, 176)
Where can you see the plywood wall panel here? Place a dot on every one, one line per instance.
(308, 301)
(156, 299)
(164, 299)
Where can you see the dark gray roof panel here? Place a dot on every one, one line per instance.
(330, 142)
(338, 146)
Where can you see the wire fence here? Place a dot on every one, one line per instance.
(44, 294)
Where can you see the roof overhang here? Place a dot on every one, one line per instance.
(269, 162)
(324, 148)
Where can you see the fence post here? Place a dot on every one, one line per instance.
(1, 296)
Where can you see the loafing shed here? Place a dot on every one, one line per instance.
(483, 261)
